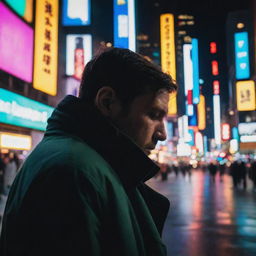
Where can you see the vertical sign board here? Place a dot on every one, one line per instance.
(124, 24)
(46, 46)
(216, 118)
(188, 68)
(76, 12)
(242, 55)
(245, 95)
(201, 113)
(195, 62)
(78, 53)
(24, 8)
(16, 45)
(168, 58)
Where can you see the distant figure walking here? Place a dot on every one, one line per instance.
(213, 170)
(252, 173)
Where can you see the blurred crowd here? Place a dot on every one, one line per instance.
(9, 165)
(239, 170)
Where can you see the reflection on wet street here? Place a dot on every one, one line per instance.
(208, 217)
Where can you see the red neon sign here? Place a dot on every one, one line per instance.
(215, 67)
(213, 47)
(216, 87)
(190, 97)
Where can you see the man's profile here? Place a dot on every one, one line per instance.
(81, 191)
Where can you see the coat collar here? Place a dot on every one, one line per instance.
(130, 163)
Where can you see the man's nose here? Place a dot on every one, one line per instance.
(161, 132)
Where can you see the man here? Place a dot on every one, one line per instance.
(82, 191)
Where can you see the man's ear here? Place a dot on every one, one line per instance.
(106, 101)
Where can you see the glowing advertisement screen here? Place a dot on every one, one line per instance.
(188, 68)
(124, 24)
(16, 45)
(192, 120)
(78, 53)
(242, 55)
(195, 63)
(247, 132)
(76, 12)
(21, 111)
(24, 8)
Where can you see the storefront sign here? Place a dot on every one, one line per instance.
(46, 46)
(21, 111)
(15, 141)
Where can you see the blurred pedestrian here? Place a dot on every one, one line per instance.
(82, 191)
(222, 169)
(213, 170)
(9, 172)
(243, 174)
(235, 173)
(252, 173)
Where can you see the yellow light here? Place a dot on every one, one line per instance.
(201, 113)
(46, 46)
(245, 95)
(240, 25)
(15, 141)
(168, 58)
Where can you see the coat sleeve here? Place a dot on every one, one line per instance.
(62, 213)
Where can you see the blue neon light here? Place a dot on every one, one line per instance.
(191, 142)
(195, 62)
(76, 14)
(235, 134)
(192, 120)
(121, 24)
(242, 55)
(205, 144)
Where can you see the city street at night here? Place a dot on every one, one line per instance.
(207, 218)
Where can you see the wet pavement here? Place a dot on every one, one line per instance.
(208, 218)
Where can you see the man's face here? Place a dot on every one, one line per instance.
(144, 123)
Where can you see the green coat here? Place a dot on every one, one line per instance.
(82, 192)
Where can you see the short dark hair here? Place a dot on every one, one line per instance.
(127, 72)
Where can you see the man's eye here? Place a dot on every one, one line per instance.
(155, 115)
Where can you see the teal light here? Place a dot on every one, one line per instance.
(21, 111)
(18, 6)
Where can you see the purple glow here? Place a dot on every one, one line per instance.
(16, 45)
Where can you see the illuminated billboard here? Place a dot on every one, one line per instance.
(76, 12)
(225, 131)
(168, 58)
(46, 46)
(242, 55)
(23, 7)
(188, 68)
(124, 24)
(245, 95)
(16, 45)
(195, 63)
(78, 53)
(21, 111)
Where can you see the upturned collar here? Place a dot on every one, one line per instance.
(74, 117)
